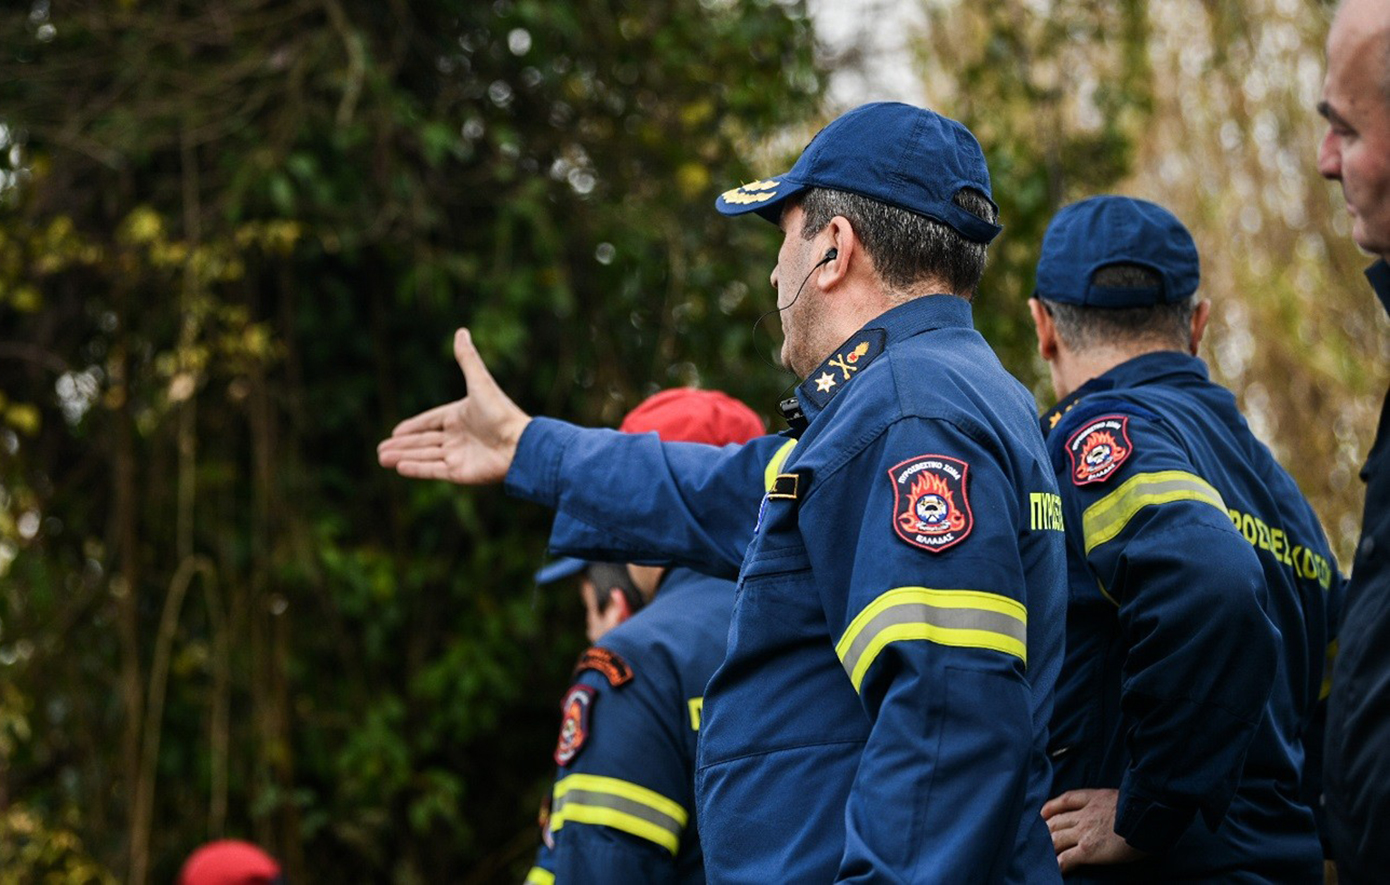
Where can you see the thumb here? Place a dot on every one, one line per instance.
(475, 374)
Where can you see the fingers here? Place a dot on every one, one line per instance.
(1059, 822)
(422, 446)
(418, 439)
(1071, 800)
(393, 457)
(1064, 831)
(432, 419)
(1071, 859)
(423, 469)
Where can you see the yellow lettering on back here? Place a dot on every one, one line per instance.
(1304, 562)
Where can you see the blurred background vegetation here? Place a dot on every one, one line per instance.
(235, 237)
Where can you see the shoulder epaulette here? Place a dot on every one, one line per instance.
(608, 663)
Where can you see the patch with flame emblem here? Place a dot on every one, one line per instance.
(930, 507)
(1098, 449)
(574, 727)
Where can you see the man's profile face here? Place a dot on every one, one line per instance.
(1356, 148)
(796, 312)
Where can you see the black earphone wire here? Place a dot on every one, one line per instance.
(830, 255)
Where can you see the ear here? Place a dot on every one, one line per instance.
(618, 606)
(1199, 323)
(838, 235)
(1046, 329)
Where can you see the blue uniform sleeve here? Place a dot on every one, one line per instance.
(621, 807)
(915, 548)
(625, 497)
(1201, 653)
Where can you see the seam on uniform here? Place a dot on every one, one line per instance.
(790, 747)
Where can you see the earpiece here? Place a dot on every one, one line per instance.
(830, 255)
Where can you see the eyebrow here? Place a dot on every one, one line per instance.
(1328, 113)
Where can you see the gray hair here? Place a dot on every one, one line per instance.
(1084, 328)
(907, 249)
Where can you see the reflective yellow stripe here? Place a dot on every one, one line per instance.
(962, 618)
(610, 802)
(774, 466)
(1106, 518)
(538, 876)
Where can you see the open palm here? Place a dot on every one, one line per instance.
(470, 441)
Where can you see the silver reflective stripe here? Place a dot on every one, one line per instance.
(594, 799)
(920, 613)
(1104, 520)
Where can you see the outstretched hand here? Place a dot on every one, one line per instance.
(1082, 824)
(471, 441)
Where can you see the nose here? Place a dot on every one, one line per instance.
(772, 277)
(1330, 156)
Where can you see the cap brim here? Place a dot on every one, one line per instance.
(560, 569)
(763, 197)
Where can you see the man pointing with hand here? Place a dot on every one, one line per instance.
(882, 709)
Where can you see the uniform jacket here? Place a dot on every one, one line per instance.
(1358, 733)
(882, 711)
(623, 807)
(1203, 599)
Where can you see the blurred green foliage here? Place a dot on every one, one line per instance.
(235, 239)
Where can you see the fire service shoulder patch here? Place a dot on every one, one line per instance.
(1099, 448)
(574, 727)
(931, 506)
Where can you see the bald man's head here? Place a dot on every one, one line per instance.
(1356, 103)
(1361, 28)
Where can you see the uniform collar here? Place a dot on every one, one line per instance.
(1379, 276)
(848, 361)
(1136, 372)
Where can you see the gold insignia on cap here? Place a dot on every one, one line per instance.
(753, 192)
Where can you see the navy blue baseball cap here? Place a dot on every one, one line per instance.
(561, 568)
(1087, 236)
(894, 153)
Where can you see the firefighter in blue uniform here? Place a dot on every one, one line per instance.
(622, 809)
(881, 714)
(1203, 594)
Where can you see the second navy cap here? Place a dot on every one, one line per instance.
(1108, 230)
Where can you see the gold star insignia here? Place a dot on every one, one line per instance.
(1052, 421)
(825, 382)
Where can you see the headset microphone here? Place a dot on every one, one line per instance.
(830, 255)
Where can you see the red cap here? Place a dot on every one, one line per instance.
(684, 414)
(229, 862)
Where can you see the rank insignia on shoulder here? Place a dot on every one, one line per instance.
(609, 663)
(837, 371)
(574, 727)
(1099, 448)
(930, 507)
